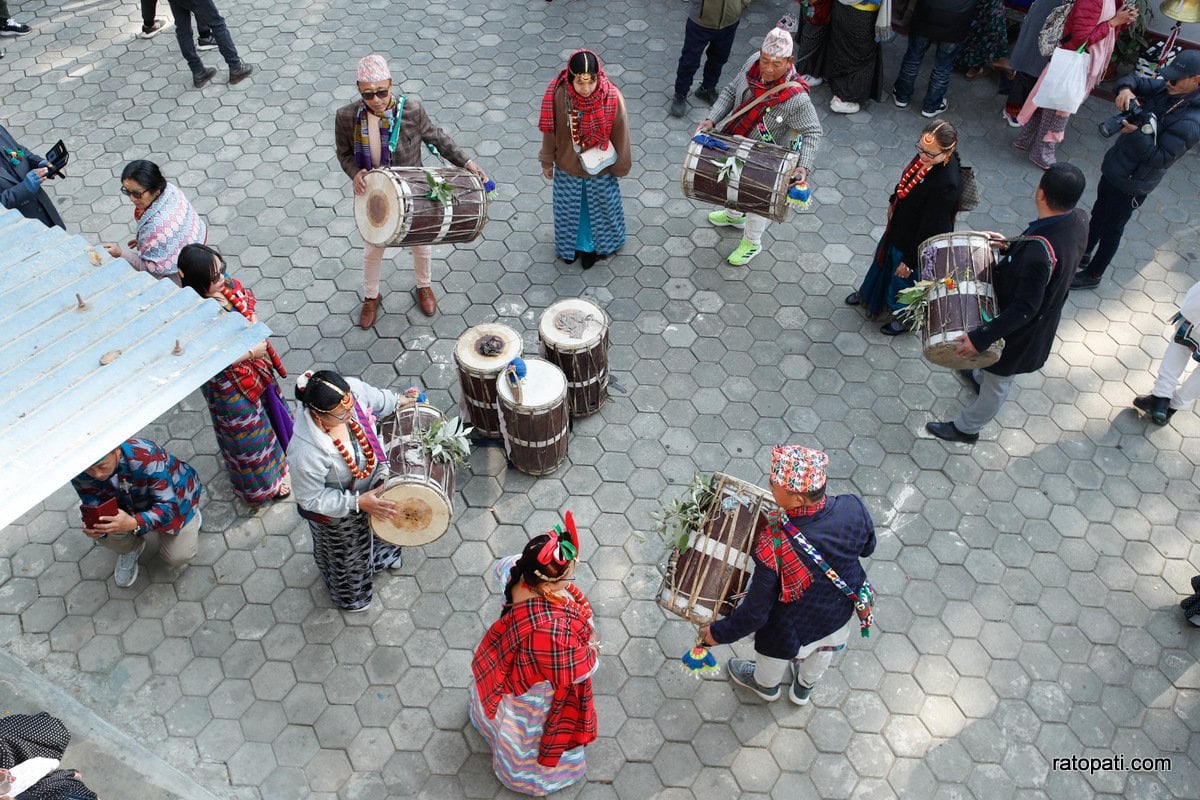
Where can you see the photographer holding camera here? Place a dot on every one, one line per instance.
(1159, 122)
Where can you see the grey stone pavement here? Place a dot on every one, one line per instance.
(1028, 585)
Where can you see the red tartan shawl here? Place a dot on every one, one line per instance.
(536, 641)
(594, 115)
(747, 123)
(253, 375)
(781, 557)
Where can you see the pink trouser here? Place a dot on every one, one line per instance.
(422, 255)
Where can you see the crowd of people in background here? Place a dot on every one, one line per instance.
(531, 697)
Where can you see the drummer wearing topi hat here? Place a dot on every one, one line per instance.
(786, 118)
(385, 130)
(808, 583)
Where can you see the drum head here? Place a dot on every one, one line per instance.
(544, 386)
(476, 350)
(380, 210)
(422, 514)
(572, 324)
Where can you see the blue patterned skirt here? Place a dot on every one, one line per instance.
(587, 215)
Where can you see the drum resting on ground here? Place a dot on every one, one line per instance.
(710, 576)
(574, 337)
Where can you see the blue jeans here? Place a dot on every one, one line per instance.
(207, 18)
(939, 80)
(696, 38)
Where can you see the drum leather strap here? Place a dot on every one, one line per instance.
(750, 106)
(395, 136)
(1044, 242)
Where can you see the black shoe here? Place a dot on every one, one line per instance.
(893, 328)
(13, 28)
(206, 43)
(707, 95)
(1158, 409)
(1084, 263)
(240, 73)
(201, 79)
(571, 260)
(950, 433)
(1085, 280)
(968, 375)
(853, 299)
(679, 107)
(588, 258)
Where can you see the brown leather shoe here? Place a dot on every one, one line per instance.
(370, 308)
(427, 300)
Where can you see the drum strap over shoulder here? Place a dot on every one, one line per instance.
(1044, 242)
(395, 137)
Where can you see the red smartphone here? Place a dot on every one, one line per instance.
(92, 514)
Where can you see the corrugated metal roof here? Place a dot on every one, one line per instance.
(78, 379)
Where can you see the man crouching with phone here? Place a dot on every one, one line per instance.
(135, 490)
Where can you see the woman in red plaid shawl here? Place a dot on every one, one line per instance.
(583, 111)
(251, 420)
(798, 615)
(532, 696)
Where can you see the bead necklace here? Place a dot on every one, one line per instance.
(241, 307)
(911, 177)
(361, 436)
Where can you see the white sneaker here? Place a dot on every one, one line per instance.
(126, 571)
(812, 80)
(839, 106)
(160, 25)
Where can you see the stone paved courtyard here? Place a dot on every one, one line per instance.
(1028, 586)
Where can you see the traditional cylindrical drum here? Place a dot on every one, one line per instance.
(961, 299)
(404, 206)
(480, 354)
(574, 336)
(533, 417)
(711, 575)
(739, 173)
(420, 485)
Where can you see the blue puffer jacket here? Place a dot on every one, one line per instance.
(1137, 161)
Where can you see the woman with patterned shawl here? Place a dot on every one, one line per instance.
(532, 693)
(583, 110)
(252, 423)
(166, 222)
(787, 118)
(337, 463)
(923, 204)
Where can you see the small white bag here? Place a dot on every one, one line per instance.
(597, 159)
(1064, 84)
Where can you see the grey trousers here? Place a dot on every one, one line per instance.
(993, 391)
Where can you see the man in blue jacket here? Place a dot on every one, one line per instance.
(1141, 156)
(21, 178)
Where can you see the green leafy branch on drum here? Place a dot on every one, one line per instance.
(729, 169)
(685, 515)
(445, 440)
(915, 300)
(439, 189)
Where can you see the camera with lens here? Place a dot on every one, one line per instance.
(1136, 116)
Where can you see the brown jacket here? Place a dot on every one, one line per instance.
(416, 128)
(557, 147)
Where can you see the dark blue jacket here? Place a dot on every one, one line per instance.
(1137, 162)
(842, 532)
(13, 192)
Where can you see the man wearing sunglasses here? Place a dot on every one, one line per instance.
(385, 130)
(1168, 125)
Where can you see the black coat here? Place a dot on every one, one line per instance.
(1031, 290)
(927, 210)
(13, 192)
(1137, 162)
(943, 20)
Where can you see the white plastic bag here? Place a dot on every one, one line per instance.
(1064, 83)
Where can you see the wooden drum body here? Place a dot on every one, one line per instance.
(967, 301)
(480, 354)
(574, 337)
(419, 485)
(709, 578)
(396, 212)
(533, 418)
(757, 183)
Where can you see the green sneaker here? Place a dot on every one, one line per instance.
(724, 218)
(745, 251)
